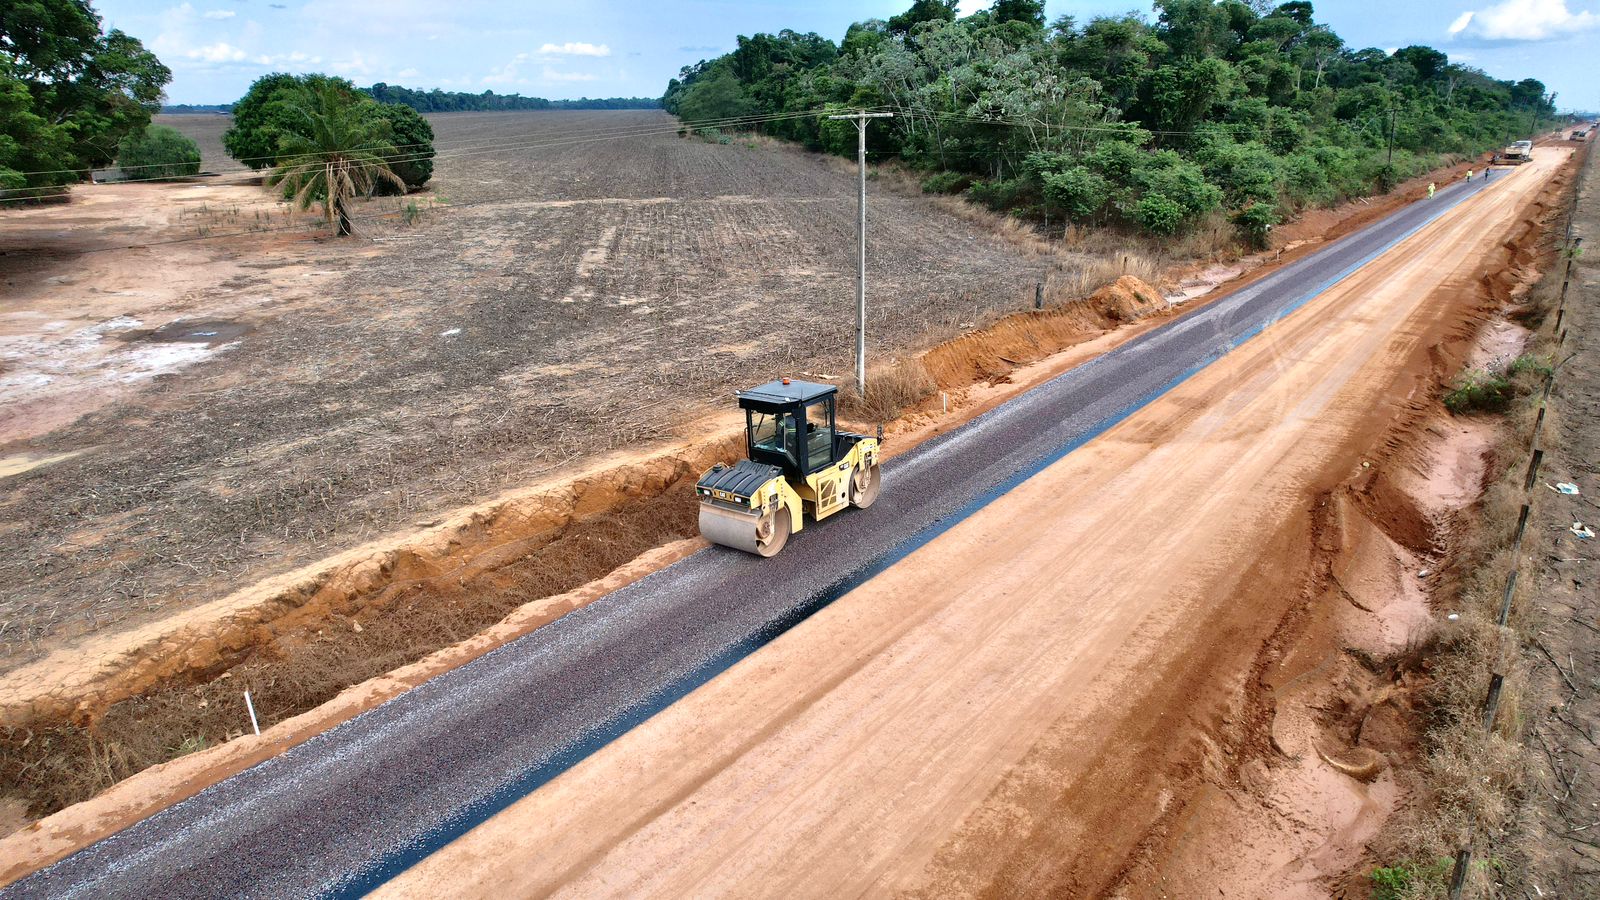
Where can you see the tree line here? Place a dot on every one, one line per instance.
(438, 100)
(1241, 108)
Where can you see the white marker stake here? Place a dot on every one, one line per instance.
(252, 707)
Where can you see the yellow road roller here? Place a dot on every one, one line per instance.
(797, 461)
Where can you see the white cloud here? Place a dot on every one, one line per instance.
(571, 48)
(1522, 20)
(550, 74)
(221, 51)
(219, 14)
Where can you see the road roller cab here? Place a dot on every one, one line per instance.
(797, 460)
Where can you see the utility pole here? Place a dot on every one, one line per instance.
(1393, 112)
(860, 117)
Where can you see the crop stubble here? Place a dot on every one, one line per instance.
(582, 295)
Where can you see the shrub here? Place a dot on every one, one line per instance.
(1479, 391)
(1409, 879)
(1255, 223)
(1180, 182)
(1157, 214)
(1244, 171)
(1116, 160)
(158, 152)
(1539, 367)
(1079, 192)
(1000, 194)
(946, 183)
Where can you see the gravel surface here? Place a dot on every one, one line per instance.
(353, 806)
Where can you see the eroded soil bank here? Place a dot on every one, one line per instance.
(1308, 809)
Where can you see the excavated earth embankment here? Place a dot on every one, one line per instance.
(136, 699)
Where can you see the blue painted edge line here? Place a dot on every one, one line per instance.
(389, 865)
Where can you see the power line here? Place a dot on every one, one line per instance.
(620, 130)
(45, 191)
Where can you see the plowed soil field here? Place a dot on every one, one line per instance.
(199, 391)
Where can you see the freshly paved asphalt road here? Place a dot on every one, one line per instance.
(348, 809)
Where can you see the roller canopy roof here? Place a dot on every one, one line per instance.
(775, 393)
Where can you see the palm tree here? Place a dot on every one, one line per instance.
(340, 153)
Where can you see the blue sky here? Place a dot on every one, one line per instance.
(630, 47)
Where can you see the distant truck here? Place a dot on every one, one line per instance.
(1517, 154)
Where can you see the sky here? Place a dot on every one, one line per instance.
(611, 48)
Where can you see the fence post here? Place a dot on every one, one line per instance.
(1038, 295)
(1458, 876)
(1505, 602)
(1492, 702)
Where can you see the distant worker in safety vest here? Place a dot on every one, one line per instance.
(1430, 190)
(1469, 174)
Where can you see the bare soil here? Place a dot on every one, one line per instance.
(582, 294)
(293, 410)
(1042, 717)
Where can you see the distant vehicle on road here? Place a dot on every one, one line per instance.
(1518, 153)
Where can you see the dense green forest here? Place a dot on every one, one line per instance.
(70, 92)
(455, 101)
(1241, 108)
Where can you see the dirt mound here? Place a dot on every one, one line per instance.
(993, 353)
(1126, 299)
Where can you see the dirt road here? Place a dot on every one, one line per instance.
(1002, 712)
(1008, 708)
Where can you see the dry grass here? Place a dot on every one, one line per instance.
(891, 390)
(1477, 781)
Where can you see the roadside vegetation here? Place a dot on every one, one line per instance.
(1213, 109)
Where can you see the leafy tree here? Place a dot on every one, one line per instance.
(922, 11)
(31, 144)
(273, 108)
(412, 138)
(337, 153)
(1159, 215)
(719, 96)
(70, 93)
(1080, 193)
(1028, 12)
(158, 152)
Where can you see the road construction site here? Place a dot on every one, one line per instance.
(1005, 677)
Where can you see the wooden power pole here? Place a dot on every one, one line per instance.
(860, 117)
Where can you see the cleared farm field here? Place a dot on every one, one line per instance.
(578, 282)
